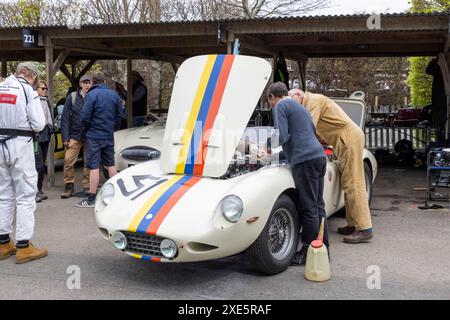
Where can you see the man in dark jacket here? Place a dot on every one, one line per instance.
(102, 112)
(140, 93)
(73, 137)
(307, 158)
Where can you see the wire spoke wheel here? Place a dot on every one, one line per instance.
(281, 234)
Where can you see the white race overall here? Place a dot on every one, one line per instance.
(20, 110)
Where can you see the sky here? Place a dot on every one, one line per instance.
(337, 7)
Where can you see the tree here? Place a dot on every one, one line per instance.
(266, 8)
(340, 77)
(419, 82)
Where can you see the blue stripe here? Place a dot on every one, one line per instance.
(203, 114)
(154, 210)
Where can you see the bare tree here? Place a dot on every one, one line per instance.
(266, 8)
(187, 10)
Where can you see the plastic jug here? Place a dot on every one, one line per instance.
(317, 262)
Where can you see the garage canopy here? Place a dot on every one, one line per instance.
(297, 37)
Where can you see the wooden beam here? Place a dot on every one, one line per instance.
(129, 93)
(447, 42)
(4, 68)
(256, 44)
(230, 40)
(60, 60)
(175, 68)
(49, 63)
(85, 70)
(69, 76)
(95, 51)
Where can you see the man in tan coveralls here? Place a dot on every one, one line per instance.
(335, 128)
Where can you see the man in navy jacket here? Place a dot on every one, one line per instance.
(101, 114)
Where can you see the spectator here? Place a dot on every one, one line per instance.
(102, 112)
(20, 115)
(43, 139)
(139, 98)
(74, 137)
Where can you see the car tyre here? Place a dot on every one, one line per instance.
(274, 249)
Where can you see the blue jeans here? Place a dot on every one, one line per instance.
(138, 121)
(309, 180)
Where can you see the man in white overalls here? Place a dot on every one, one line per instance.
(21, 116)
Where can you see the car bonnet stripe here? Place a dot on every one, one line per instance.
(156, 207)
(145, 258)
(202, 115)
(212, 114)
(190, 124)
(168, 206)
(150, 202)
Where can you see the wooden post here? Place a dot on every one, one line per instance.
(445, 69)
(129, 93)
(49, 71)
(4, 68)
(302, 72)
(230, 40)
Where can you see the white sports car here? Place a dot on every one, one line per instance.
(203, 199)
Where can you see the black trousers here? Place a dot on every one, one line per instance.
(309, 181)
(40, 158)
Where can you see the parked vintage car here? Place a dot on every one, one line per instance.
(204, 199)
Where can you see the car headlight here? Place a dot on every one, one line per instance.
(119, 240)
(232, 208)
(168, 248)
(107, 193)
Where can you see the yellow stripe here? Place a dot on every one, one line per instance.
(136, 256)
(150, 202)
(190, 124)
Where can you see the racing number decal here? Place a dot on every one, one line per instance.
(139, 185)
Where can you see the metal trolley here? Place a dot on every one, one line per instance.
(438, 161)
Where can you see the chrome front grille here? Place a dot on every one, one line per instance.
(143, 244)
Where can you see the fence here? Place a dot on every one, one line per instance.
(384, 137)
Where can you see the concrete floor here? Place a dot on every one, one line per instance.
(410, 249)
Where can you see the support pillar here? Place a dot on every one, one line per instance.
(4, 68)
(49, 71)
(129, 107)
(230, 40)
(302, 71)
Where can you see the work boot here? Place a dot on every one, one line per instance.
(42, 195)
(24, 255)
(359, 236)
(68, 191)
(346, 231)
(7, 250)
(300, 257)
(38, 198)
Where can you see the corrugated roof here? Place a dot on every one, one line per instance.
(238, 19)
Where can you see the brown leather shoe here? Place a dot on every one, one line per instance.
(346, 231)
(28, 254)
(359, 237)
(7, 250)
(68, 191)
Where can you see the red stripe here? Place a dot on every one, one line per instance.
(156, 223)
(213, 111)
(156, 259)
